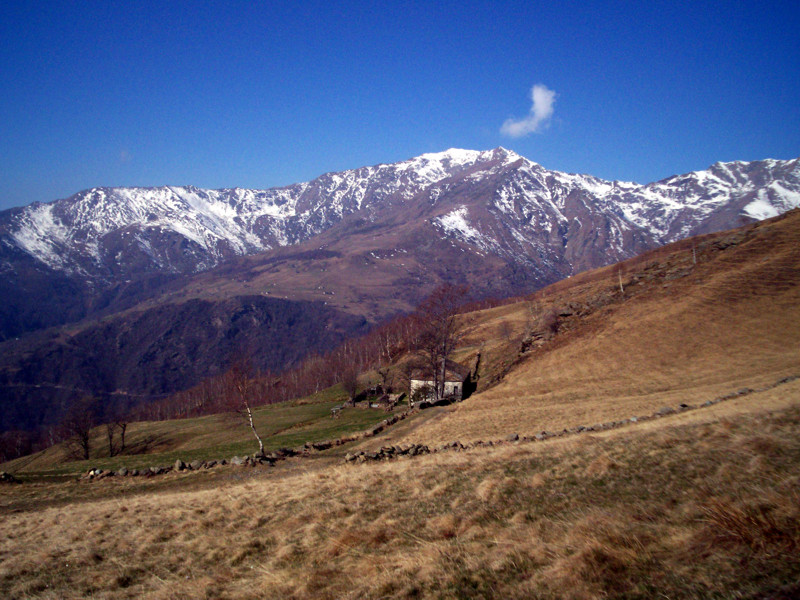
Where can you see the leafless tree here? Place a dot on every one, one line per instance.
(115, 436)
(385, 373)
(349, 376)
(14, 444)
(241, 395)
(440, 330)
(116, 425)
(548, 321)
(76, 427)
(505, 330)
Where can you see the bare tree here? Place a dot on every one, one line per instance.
(548, 321)
(14, 444)
(387, 378)
(114, 428)
(241, 396)
(349, 376)
(76, 427)
(505, 330)
(441, 330)
(116, 425)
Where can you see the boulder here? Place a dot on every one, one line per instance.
(179, 465)
(512, 437)
(196, 464)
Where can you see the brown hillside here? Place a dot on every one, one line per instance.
(680, 333)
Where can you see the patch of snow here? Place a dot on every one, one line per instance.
(456, 223)
(761, 207)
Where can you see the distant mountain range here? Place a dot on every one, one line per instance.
(496, 200)
(335, 254)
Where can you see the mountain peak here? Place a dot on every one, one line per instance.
(457, 155)
(107, 231)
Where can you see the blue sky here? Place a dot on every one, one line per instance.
(224, 94)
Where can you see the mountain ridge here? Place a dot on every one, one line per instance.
(104, 233)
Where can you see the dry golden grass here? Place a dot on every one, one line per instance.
(732, 321)
(696, 510)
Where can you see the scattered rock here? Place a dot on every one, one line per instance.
(390, 452)
(513, 437)
(196, 464)
(7, 478)
(284, 453)
(179, 465)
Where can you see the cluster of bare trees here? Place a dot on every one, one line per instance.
(82, 417)
(431, 332)
(14, 444)
(376, 350)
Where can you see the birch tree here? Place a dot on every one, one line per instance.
(241, 392)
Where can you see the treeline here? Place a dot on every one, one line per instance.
(378, 348)
(374, 351)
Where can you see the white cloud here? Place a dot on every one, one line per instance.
(541, 110)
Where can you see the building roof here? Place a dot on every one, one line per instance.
(453, 372)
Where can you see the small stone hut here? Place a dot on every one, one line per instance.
(455, 376)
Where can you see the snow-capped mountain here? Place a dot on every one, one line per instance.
(496, 200)
(110, 231)
(135, 293)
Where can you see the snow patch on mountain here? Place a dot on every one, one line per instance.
(40, 234)
(524, 200)
(456, 224)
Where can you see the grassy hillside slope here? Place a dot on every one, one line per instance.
(679, 333)
(695, 510)
(213, 437)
